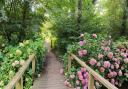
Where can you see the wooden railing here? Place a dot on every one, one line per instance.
(92, 73)
(17, 80)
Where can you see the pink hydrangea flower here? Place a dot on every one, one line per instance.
(116, 83)
(102, 69)
(113, 81)
(77, 87)
(77, 82)
(84, 52)
(110, 75)
(80, 53)
(83, 82)
(79, 73)
(126, 60)
(117, 65)
(72, 76)
(112, 66)
(100, 56)
(120, 73)
(110, 55)
(115, 59)
(94, 35)
(114, 73)
(80, 77)
(98, 64)
(83, 69)
(66, 83)
(106, 48)
(92, 61)
(106, 64)
(82, 43)
(81, 35)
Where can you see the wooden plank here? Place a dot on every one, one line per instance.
(69, 62)
(19, 84)
(18, 75)
(99, 77)
(91, 82)
(33, 67)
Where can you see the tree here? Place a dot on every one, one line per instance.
(79, 14)
(124, 18)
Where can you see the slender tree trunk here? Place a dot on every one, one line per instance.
(22, 34)
(124, 19)
(79, 15)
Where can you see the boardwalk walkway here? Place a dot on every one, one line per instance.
(50, 78)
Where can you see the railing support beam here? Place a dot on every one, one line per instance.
(91, 82)
(19, 84)
(33, 67)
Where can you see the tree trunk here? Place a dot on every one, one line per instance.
(79, 15)
(124, 19)
(22, 34)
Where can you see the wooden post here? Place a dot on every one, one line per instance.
(33, 67)
(19, 84)
(69, 62)
(91, 82)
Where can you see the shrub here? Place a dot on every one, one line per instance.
(14, 57)
(104, 56)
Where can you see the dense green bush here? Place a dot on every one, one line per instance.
(14, 57)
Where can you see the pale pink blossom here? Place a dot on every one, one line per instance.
(77, 87)
(80, 53)
(81, 43)
(81, 35)
(80, 77)
(79, 73)
(110, 75)
(106, 64)
(117, 66)
(120, 73)
(83, 69)
(84, 52)
(100, 56)
(92, 61)
(126, 74)
(115, 59)
(113, 81)
(102, 69)
(98, 64)
(116, 83)
(110, 55)
(83, 82)
(126, 60)
(94, 35)
(106, 48)
(77, 82)
(112, 66)
(72, 76)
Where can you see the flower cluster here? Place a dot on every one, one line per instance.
(83, 77)
(111, 63)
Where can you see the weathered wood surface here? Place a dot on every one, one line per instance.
(50, 78)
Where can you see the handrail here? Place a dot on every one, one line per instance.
(91, 73)
(17, 79)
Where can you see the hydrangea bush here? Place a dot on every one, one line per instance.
(104, 56)
(14, 57)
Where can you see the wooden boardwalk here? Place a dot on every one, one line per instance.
(50, 78)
